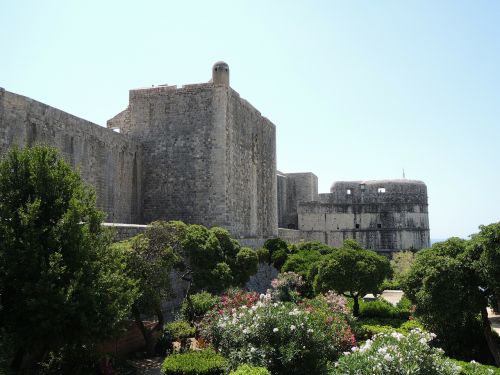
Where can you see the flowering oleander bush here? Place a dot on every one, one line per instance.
(283, 337)
(235, 298)
(335, 302)
(288, 287)
(397, 354)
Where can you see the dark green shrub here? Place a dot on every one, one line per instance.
(250, 370)
(180, 329)
(278, 250)
(405, 304)
(201, 303)
(205, 362)
(382, 309)
(314, 246)
(304, 263)
(264, 255)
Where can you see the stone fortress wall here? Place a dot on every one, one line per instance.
(199, 153)
(210, 156)
(292, 189)
(202, 154)
(383, 215)
(111, 162)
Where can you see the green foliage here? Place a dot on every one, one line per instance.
(474, 368)
(263, 255)
(278, 250)
(57, 273)
(484, 252)
(205, 362)
(245, 265)
(201, 303)
(401, 263)
(71, 359)
(380, 308)
(250, 370)
(396, 354)
(314, 246)
(150, 259)
(390, 284)
(366, 328)
(216, 260)
(352, 271)
(285, 338)
(180, 329)
(449, 296)
(305, 263)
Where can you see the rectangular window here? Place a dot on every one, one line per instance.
(348, 191)
(381, 190)
(357, 226)
(379, 225)
(362, 187)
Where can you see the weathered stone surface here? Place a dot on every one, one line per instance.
(211, 157)
(383, 215)
(109, 161)
(294, 188)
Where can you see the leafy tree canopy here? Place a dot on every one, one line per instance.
(57, 273)
(352, 271)
(448, 285)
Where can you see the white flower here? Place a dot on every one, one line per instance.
(310, 330)
(252, 349)
(275, 329)
(388, 357)
(292, 327)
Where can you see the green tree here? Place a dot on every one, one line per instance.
(60, 284)
(150, 260)
(484, 251)
(353, 272)
(450, 295)
(401, 263)
(278, 251)
(305, 263)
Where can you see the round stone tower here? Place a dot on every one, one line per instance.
(220, 73)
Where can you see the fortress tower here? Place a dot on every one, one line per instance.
(210, 156)
(382, 215)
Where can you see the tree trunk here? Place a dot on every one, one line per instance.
(355, 308)
(146, 333)
(488, 335)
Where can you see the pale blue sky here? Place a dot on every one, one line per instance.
(357, 89)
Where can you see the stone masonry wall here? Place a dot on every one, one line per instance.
(210, 157)
(110, 162)
(294, 188)
(183, 135)
(385, 215)
(250, 171)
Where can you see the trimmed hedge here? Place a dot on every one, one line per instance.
(250, 370)
(205, 362)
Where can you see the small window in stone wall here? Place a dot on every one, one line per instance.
(357, 226)
(348, 191)
(362, 187)
(379, 225)
(381, 190)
